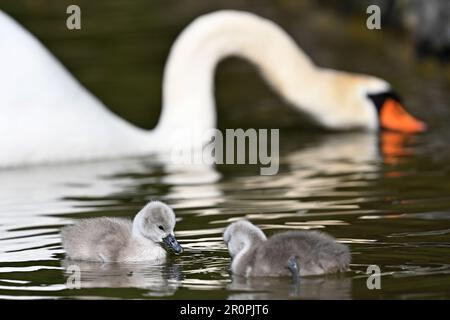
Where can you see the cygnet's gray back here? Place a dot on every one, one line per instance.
(315, 253)
(99, 239)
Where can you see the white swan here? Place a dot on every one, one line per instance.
(47, 116)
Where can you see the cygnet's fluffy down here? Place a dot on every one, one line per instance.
(297, 253)
(122, 240)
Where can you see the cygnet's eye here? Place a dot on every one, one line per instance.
(161, 228)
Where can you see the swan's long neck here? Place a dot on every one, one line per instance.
(188, 95)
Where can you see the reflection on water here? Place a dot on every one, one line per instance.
(157, 280)
(393, 147)
(328, 287)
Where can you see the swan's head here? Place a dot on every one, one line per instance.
(345, 100)
(240, 235)
(392, 115)
(156, 222)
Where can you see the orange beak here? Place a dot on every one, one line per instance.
(394, 117)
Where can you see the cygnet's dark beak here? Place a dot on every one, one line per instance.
(171, 242)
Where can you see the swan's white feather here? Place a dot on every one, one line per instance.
(46, 115)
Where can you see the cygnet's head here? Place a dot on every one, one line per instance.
(241, 234)
(156, 221)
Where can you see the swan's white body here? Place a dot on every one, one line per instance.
(47, 116)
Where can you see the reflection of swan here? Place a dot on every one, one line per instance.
(330, 287)
(321, 165)
(337, 169)
(161, 280)
(49, 117)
